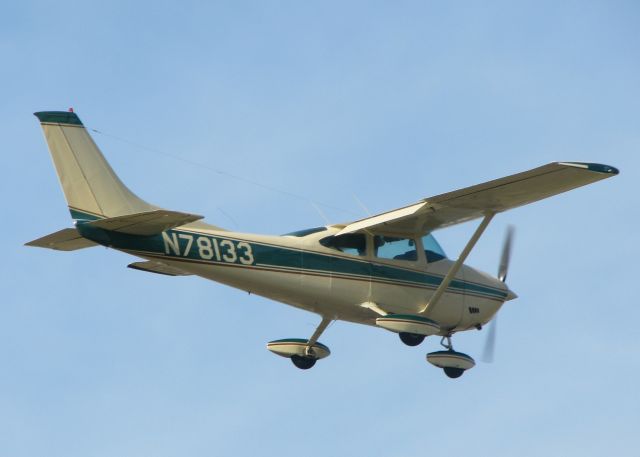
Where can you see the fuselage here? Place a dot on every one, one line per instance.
(302, 271)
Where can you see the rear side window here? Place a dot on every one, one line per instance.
(352, 243)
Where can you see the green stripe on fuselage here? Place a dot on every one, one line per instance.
(79, 216)
(276, 257)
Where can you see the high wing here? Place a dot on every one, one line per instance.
(490, 197)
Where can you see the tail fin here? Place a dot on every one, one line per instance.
(91, 187)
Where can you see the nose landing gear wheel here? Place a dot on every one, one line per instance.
(453, 372)
(303, 362)
(411, 339)
(453, 363)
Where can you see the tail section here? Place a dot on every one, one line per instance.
(91, 187)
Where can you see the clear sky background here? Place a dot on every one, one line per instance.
(385, 102)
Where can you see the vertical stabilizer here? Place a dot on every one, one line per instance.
(90, 185)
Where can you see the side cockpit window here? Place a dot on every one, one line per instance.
(388, 247)
(352, 243)
(432, 249)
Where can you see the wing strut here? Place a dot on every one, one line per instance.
(458, 263)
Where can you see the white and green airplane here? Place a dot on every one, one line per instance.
(386, 270)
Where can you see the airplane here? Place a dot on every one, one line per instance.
(386, 270)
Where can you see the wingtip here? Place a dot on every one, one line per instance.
(597, 167)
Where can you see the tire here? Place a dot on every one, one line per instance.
(411, 339)
(304, 363)
(453, 372)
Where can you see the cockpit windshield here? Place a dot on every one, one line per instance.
(432, 249)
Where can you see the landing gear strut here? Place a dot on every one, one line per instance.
(446, 343)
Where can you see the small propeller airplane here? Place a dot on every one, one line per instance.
(386, 270)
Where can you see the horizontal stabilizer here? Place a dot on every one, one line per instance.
(158, 267)
(147, 223)
(64, 240)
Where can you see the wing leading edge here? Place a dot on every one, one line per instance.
(490, 197)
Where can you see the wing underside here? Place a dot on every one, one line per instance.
(476, 201)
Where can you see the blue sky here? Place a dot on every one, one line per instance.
(385, 102)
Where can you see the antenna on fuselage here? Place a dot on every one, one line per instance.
(362, 205)
(228, 216)
(220, 172)
(320, 212)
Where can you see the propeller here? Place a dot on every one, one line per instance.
(503, 269)
(490, 342)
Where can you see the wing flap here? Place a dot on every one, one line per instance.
(494, 196)
(146, 223)
(63, 240)
(158, 267)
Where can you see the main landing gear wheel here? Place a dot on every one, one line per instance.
(303, 362)
(411, 339)
(302, 354)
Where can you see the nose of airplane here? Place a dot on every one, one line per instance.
(511, 295)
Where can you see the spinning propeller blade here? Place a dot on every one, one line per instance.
(503, 269)
(490, 342)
